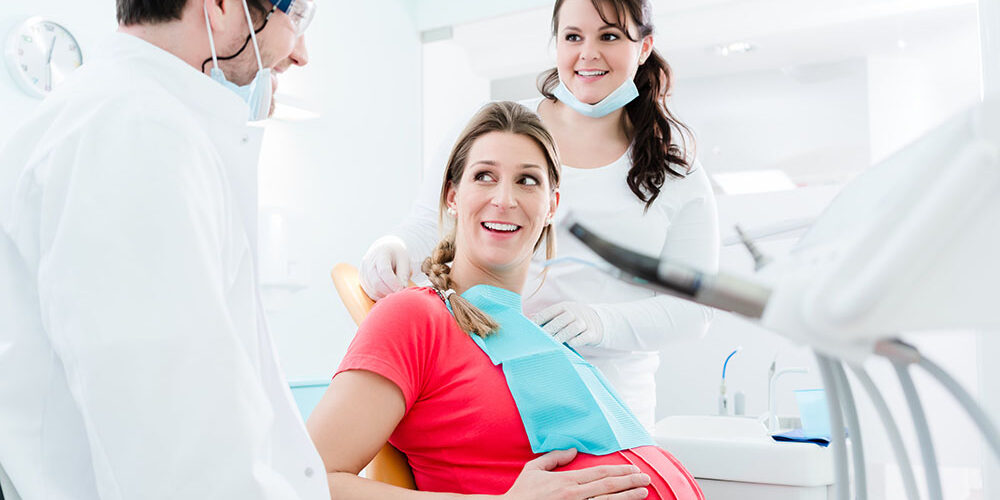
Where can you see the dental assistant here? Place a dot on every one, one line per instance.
(135, 361)
(629, 174)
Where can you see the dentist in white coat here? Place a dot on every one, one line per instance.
(134, 358)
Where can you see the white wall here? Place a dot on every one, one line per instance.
(345, 178)
(810, 121)
(452, 92)
(919, 84)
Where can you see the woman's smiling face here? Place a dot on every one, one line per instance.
(503, 201)
(593, 57)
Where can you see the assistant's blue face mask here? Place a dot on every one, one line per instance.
(257, 93)
(624, 94)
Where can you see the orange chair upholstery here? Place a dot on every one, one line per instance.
(389, 465)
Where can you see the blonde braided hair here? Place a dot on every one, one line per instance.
(469, 317)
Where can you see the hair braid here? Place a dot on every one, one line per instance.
(470, 319)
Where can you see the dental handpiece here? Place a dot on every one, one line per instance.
(721, 291)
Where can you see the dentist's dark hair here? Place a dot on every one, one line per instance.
(509, 117)
(659, 139)
(131, 12)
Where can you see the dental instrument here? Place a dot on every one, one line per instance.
(723, 402)
(783, 229)
(759, 259)
(721, 291)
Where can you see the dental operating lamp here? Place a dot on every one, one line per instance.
(912, 244)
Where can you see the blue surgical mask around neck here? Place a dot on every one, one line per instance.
(624, 94)
(257, 93)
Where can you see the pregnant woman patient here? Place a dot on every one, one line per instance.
(480, 399)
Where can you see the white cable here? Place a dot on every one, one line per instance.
(853, 430)
(895, 438)
(975, 411)
(842, 486)
(922, 430)
(253, 35)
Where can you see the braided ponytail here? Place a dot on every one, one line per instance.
(470, 319)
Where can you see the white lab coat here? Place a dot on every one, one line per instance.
(134, 358)
(682, 225)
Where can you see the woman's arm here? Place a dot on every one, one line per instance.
(350, 424)
(360, 410)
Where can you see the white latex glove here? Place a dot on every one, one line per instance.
(385, 268)
(571, 323)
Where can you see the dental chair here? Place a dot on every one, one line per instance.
(389, 465)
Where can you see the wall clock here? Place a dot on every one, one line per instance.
(40, 54)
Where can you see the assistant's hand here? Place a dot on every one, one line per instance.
(605, 482)
(571, 323)
(385, 268)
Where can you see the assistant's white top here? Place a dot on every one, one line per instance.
(682, 224)
(134, 359)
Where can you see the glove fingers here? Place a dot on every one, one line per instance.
(546, 315)
(584, 339)
(556, 324)
(571, 332)
(403, 271)
(369, 278)
(386, 281)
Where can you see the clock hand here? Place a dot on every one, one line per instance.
(48, 64)
(52, 49)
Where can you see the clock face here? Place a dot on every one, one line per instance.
(41, 54)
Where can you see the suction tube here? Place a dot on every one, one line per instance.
(720, 291)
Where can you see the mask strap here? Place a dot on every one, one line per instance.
(211, 39)
(253, 36)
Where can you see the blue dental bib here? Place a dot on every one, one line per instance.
(564, 402)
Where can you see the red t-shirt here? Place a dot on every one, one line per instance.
(461, 431)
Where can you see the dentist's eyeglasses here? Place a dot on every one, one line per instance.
(301, 12)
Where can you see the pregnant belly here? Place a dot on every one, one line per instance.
(669, 479)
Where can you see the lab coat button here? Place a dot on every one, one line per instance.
(309, 472)
(245, 139)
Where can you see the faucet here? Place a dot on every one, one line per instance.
(772, 400)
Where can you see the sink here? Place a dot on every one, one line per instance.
(740, 449)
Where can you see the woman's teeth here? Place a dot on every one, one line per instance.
(591, 73)
(496, 226)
